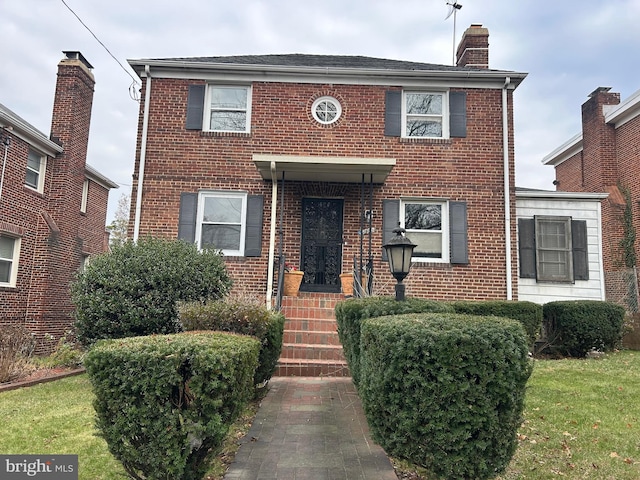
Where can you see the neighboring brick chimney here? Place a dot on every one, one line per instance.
(473, 49)
(599, 141)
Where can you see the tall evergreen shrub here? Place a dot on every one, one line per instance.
(133, 290)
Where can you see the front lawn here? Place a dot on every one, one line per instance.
(582, 420)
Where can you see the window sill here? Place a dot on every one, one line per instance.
(205, 133)
(436, 141)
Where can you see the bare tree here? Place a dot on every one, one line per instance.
(118, 227)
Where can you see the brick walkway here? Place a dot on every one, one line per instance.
(310, 429)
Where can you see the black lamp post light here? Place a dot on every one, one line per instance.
(399, 250)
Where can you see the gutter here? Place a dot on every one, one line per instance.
(272, 234)
(507, 196)
(143, 154)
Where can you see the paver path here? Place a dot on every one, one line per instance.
(312, 429)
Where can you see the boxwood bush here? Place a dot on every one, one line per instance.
(576, 327)
(133, 290)
(164, 401)
(445, 391)
(350, 313)
(527, 313)
(240, 317)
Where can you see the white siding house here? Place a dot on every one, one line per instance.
(559, 246)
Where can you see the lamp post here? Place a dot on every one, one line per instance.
(399, 250)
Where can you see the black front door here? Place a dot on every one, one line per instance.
(321, 244)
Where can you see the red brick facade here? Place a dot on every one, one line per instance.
(54, 235)
(606, 158)
(468, 169)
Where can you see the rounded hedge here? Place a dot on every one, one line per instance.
(445, 391)
(133, 290)
(164, 403)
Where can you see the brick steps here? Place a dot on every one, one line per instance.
(311, 347)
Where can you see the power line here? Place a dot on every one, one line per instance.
(133, 93)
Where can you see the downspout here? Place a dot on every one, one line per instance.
(272, 234)
(507, 196)
(143, 153)
(6, 142)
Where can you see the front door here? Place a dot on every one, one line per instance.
(321, 244)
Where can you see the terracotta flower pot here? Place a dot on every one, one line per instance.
(292, 281)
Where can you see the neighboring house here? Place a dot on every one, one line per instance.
(52, 208)
(319, 157)
(605, 157)
(560, 246)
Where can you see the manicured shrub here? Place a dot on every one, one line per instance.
(163, 402)
(16, 346)
(527, 313)
(244, 318)
(133, 290)
(576, 327)
(350, 313)
(445, 391)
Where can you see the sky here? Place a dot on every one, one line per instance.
(567, 48)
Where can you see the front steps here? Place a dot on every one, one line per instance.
(311, 347)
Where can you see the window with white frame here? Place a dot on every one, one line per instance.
(326, 110)
(228, 109)
(221, 221)
(424, 114)
(9, 254)
(85, 196)
(554, 259)
(36, 165)
(426, 225)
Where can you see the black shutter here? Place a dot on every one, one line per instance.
(580, 253)
(527, 247)
(195, 107)
(393, 113)
(253, 233)
(459, 253)
(458, 114)
(390, 219)
(187, 218)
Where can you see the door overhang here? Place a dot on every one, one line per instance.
(324, 169)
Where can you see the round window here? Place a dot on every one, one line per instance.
(326, 110)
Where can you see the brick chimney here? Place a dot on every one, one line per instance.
(599, 141)
(473, 49)
(70, 128)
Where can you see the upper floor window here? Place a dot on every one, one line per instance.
(85, 196)
(9, 254)
(221, 221)
(428, 115)
(326, 110)
(36, 166)
(424, 115)
(228, 109)
(426, 223)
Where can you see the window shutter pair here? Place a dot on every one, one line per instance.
(527, 248)
(458, 245)
(253, 230)
(457, 114)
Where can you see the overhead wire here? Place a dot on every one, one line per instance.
(135, 85)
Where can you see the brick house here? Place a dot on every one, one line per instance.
(52, 207)
(605, 157)
(315, 159)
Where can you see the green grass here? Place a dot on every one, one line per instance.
(582, 420)
(57, 418)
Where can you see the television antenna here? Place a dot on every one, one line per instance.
(453, 10)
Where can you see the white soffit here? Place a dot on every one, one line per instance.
(324, 169)
(564, 151)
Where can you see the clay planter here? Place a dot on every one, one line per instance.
(292, 281)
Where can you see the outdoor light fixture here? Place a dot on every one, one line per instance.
(399, 250)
